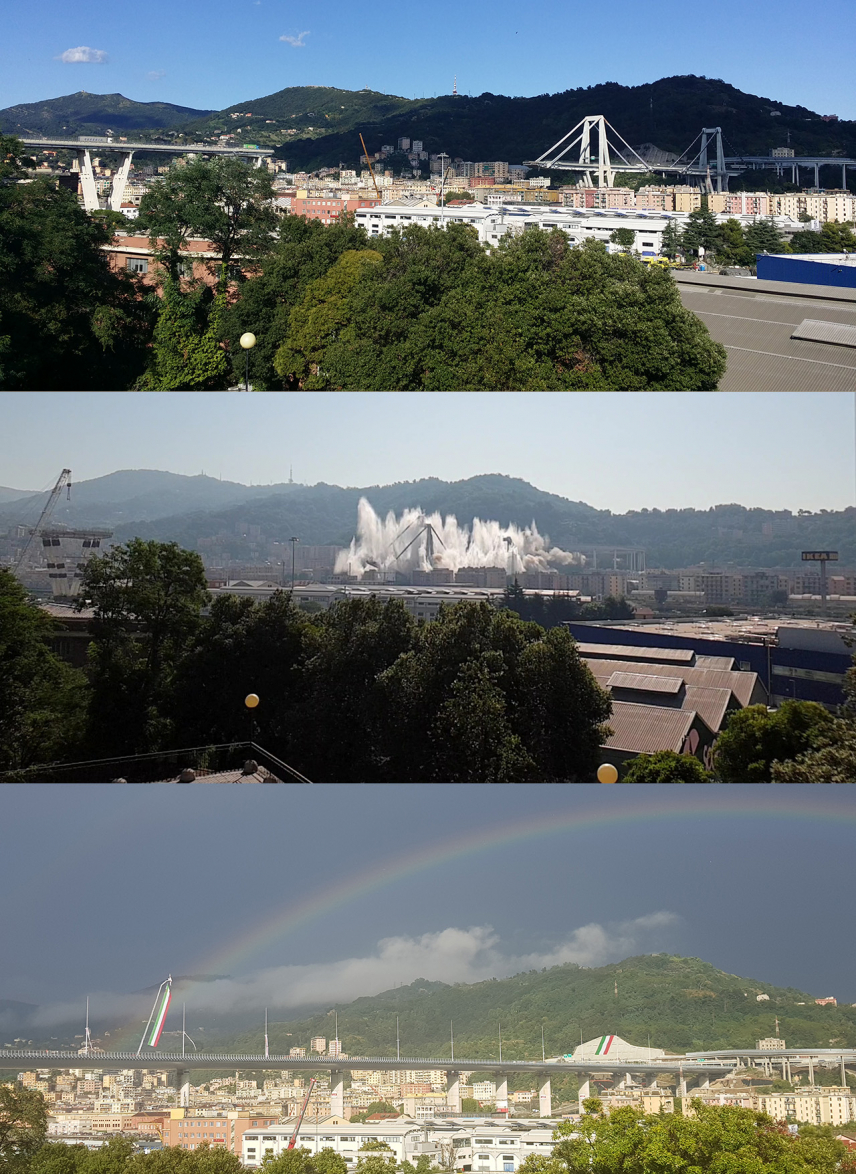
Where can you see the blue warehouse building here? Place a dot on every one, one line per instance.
(802, 664)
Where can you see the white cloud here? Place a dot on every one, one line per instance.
(83, 55)
(155, 75)
(451, 955)
(297, 41)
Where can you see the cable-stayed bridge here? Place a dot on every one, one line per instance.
(596, 151)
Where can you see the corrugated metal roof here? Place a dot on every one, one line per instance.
(646, 683)
(742, 685)
(756, 328)
(682, 656)
(714, 662)
(645, 729)
(838, 333)
(710, 704)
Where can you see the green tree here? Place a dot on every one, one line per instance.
(534, 314)
(243, 647)
(832, 238)
(666, 767)
(702, 230)
(303, 252)
(23, 1125)
(42, 699)
(222, 200)
(733, 249)
(764, 237)
(67, 321)
(186, 353)
(754, 738)
(715, 1139)
(672, 240)
(147, 598)
(316, 320)
(625, 237)
(553, 710)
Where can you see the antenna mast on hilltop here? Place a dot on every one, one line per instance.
(455, 87)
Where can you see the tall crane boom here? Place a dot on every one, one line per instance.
(371, 169)
(293, 1140)
(63, 482)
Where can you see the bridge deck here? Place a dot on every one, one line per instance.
(166, 148)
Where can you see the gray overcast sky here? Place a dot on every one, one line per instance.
(612, 450)
(108, 889)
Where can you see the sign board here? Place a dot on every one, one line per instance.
(820, 556)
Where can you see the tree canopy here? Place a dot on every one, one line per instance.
(666, 767)
(754, 738)
(535, 313)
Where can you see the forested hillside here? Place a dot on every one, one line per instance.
(170, 507)
(681, 1004)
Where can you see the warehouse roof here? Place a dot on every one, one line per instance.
(645, 729)
(683, 656)
(645, 683)
(755, 320)
(743, 685)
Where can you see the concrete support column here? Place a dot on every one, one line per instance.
(502, 1093)
(817, 175)
(545, 1098)
(652, 1085)
(621, 1082)
(337, 1094)
(453, 1090)
(182, 1087)
(704, 1082)
(682, 1084)
(784, 1069)
(87, 181)
(117, 192)
(585, 1089)
(811, 1071)
(843, 1073)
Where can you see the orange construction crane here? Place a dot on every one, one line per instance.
(371, 169)
(312, 1084)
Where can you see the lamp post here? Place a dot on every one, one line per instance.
(248, 341)
(294, 542)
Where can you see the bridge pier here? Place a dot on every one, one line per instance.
(843, 1074)
(811, 1071)
(545, 1098)
(584, 1089)
(502, 1093)
(117, 191)
(87, 181)
(453, 1090)
(182, 1087)
(337, 1094)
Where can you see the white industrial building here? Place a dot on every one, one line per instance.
(493, 222)
(488, 1146)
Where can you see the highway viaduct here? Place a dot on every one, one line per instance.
(84, 148)
(786, 1060)
(697, 1072)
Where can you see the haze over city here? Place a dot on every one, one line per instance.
(585, 446)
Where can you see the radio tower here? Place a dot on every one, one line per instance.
(455, 87)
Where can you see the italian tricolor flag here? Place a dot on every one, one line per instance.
(604, 1045)
(159, 1013)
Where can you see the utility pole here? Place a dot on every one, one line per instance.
(397, 1041)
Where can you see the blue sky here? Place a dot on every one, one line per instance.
(213, 53)
(615, 451)
(201, 867)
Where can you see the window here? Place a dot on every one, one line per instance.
(137, 265)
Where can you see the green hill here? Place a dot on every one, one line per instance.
(682, 1004)
(317, 126)
(93, 114)
(302, 112)
(668, 114)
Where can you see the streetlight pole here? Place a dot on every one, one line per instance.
(248, 341)
(294, 542)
